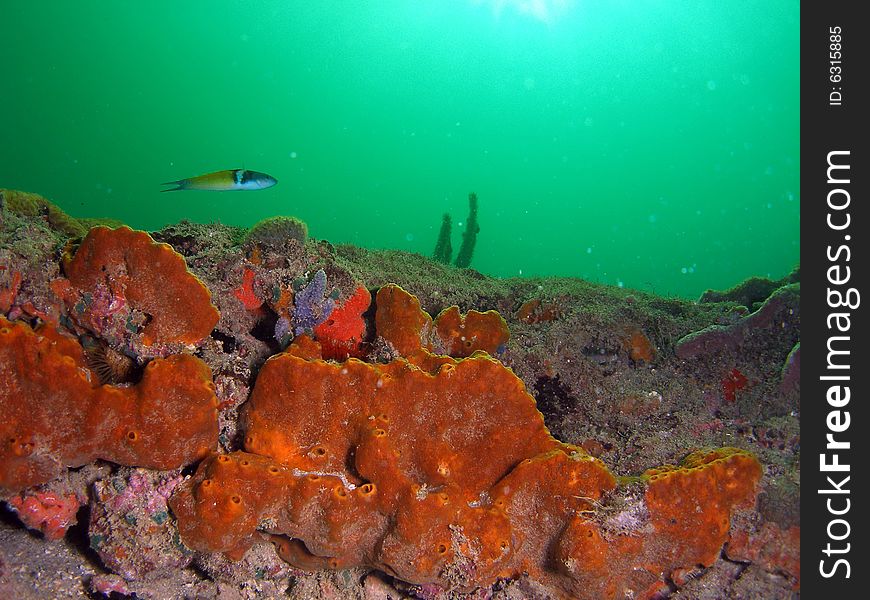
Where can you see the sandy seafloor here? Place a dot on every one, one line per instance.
(573, 356)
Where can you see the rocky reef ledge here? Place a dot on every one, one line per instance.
(207, 411)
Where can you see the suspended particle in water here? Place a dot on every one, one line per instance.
(409, 237)
(293, 155)
(711, 85)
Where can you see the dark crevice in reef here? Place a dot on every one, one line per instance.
(264, 330)
(554, 401)
(189, 470)
(78, 536)
(739, 564)
(369, 317)
(228, 342)
(7, 516)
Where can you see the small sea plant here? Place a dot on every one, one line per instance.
(444, 249)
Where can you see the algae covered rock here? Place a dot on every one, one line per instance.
(273, 233)
(33, 205)
(130, 528)
(753, 291)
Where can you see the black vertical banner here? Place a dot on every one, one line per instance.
(835, 421)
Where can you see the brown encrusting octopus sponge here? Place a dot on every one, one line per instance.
(125, 272)
(400, 320)
(678, 499)
(407, 327)
(463, 335)
(57, 415)
(440, 470)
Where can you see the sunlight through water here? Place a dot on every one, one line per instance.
(545, 11)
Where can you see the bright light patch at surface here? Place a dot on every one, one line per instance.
(545, 11)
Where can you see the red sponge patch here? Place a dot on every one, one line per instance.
(341, 334)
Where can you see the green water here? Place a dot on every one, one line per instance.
(650, 144)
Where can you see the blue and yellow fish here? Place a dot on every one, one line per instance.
(224, 181)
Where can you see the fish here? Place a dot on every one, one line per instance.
(224, 181)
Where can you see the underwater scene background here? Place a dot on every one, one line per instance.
(649, 144)
(285, 392)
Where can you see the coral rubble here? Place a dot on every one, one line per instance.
(130, 527)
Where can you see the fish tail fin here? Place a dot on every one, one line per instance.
(179, 185)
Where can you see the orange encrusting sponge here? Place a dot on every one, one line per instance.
(151, 277)
(57, 415)
(440, 470)
(407, 327)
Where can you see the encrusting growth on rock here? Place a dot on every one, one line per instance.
(408, 328)
(384, 436)
(57, 415)
(400, 320)
(341, 443)
(440, 470)
(30, 204)
(275, 232)
(341, 334)
(463, 335)
(118, 272)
